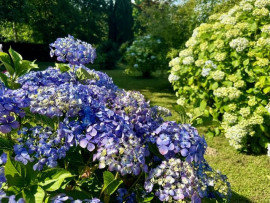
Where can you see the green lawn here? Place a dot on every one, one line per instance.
(247, 174)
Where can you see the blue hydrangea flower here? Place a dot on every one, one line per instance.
(175, 140)
(74, 51)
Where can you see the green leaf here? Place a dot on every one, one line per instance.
(5, 59)
(203, 105)
(215, 86)
(13, 85)
(82, 74)
(24, 67)
(246, 62)
(236, 63)
(110, 183)
(15, 173)
(4, 78)
(180, 110)
(6, 144)
(40, 119)
(113, 186)
(228, 83)
(16, 57)
(62, 67)
(34, 194)
(52, 179)
(254, 26)
(146, 199)
(266, 90)
(108, 177)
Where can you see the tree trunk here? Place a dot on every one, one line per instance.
(15, 32)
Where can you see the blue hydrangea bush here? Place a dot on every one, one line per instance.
(68, 134)
(225, 70)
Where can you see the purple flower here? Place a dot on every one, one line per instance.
(3, 159)
(8, 123)
(73, 51)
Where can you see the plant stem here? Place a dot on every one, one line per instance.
(134, 184)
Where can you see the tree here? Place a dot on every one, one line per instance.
(92, 23)
(120, 21)
(13, 11)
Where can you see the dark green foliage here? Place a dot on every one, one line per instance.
(107, 55)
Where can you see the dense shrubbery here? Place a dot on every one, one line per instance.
(80, 137)
(146, 55)
(226, 68)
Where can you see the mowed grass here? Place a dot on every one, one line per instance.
(246, 173)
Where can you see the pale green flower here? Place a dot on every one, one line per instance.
(204, 46)
(230, 118)
(260, 110)
(262, 3)
(252, 101)
(266, 29)
(220, 57)
(191, 42)
(219, 44)
(247, 7)
(232, 78)
(241, 26)
(218, 75)
(227, 92)
(181, 101)
(263, 42)
(245, 112)
(199, 62)
(239, 84)
(188, 60)
(174, 62)
(260, 12)
(240, 44)
(261, 62)
(255, 120)
(185, 53)
(232, 107)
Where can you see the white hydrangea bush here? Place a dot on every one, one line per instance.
(226, 64)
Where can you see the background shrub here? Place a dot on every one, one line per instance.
(146, 55)
(225, 67)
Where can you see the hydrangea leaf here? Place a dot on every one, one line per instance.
(16, 58)
(4, 78)
(110, 183)
(34, 194)
(15, 172)
(62, 67)
(6, 144)
(52, 179)
(25, 66)
(113, 186)
(5, 59)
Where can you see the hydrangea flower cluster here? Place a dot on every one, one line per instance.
(177, 180)
(175, 140)
(231, 64)
(109, 129)
(64, 198)
(73, 51)
(10, 108)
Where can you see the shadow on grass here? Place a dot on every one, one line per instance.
(236, 198)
